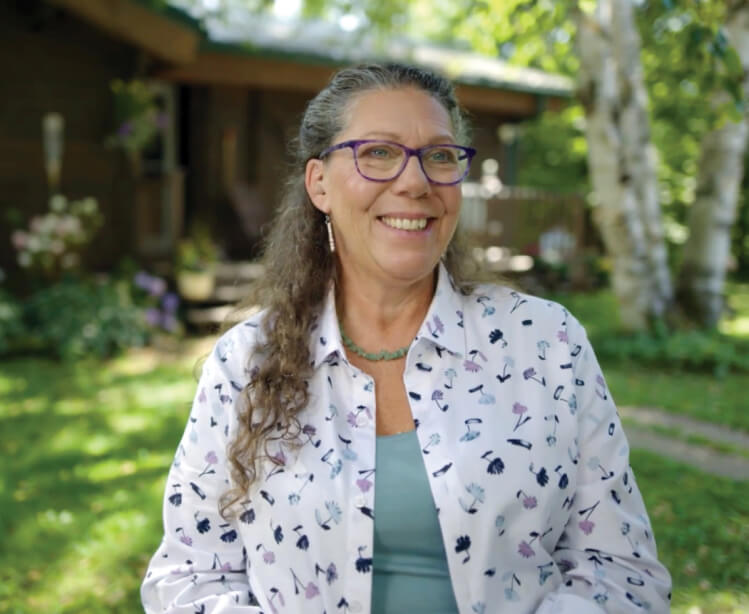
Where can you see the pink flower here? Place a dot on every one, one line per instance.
(269, 557)
(471, 366)
(525, 549)
(364, 484)
(211, 458)
(185, 539)
(586, 526)
(351, 418)
(529, 502)
(562, 336)
(311, 590)
(519, 409)
(19, 239)
(279, 457)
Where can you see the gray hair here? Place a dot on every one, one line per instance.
(299, 268)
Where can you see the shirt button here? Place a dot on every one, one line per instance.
(354, 606)
(362, 420)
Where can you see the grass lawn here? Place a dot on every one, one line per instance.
(702, 395)
(86, 449)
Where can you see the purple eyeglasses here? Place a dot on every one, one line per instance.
(378, 160)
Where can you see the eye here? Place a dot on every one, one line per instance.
(378, 151)
(442, 155)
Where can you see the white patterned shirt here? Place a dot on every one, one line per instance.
(524, 451)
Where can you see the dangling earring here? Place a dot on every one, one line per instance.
(331, 240)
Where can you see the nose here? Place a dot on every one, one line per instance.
(412, 181)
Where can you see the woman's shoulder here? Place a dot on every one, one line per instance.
(237, 345)
(507, 299)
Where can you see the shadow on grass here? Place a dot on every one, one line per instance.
(86, 450)
(701, 526)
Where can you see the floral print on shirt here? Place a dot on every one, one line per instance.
(525, 455)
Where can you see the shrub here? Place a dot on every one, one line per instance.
(693, 350)
(11, 322)
(76, 318)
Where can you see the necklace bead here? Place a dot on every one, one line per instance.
(372, 356)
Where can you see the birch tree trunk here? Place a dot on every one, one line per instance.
(706, 251)
(622, 161)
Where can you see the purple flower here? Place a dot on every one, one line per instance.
(142, 280)
(310, 430)
(364, 484)
(586, 526)
(185, 539)
(311, 590)
(529, 373)
(125, 129)
(471, 366)
(529, 502)
(525, 549)
(157, 286)
(211, 458)
(519, 409)
(170, 302)
(153, 316)
(437, 395)
(169, 323)
(562, 336)
(269, 557)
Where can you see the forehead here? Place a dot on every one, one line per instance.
(403, 112)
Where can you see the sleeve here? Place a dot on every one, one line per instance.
(201, 564)
(607, 552)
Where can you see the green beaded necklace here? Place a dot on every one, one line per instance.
(372, 356)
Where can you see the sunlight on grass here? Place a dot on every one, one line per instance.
(91, 444)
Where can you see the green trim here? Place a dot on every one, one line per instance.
(372, 356)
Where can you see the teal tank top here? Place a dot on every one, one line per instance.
(409, 561)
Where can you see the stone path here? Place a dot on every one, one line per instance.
(641, 435)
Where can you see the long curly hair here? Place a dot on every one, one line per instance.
(299, 268)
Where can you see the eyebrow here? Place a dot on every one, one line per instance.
(391, 136)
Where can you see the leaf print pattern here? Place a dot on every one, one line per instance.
(294, 528)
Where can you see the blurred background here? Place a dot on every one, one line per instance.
(142, 144)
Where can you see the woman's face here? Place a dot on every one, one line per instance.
(368, 216)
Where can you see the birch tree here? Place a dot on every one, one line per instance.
(707, 250)
(622, 160)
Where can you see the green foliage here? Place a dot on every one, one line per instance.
(76, 318)
(712, 352)
(693, 350)
(198, 252)
(138, 118)
(12, 326)
(701, 527)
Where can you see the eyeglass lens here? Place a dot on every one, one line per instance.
(384, 161)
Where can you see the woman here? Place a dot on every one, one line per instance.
(502, 482)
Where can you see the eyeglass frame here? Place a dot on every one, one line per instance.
(355, 143)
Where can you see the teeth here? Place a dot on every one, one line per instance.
(406, 224)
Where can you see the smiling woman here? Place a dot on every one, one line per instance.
(385, 436)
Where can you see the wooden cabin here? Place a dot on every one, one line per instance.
(232, 92)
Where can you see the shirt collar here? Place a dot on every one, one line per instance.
(326, 336)
(443, 325)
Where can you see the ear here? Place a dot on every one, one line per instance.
(314, 183)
